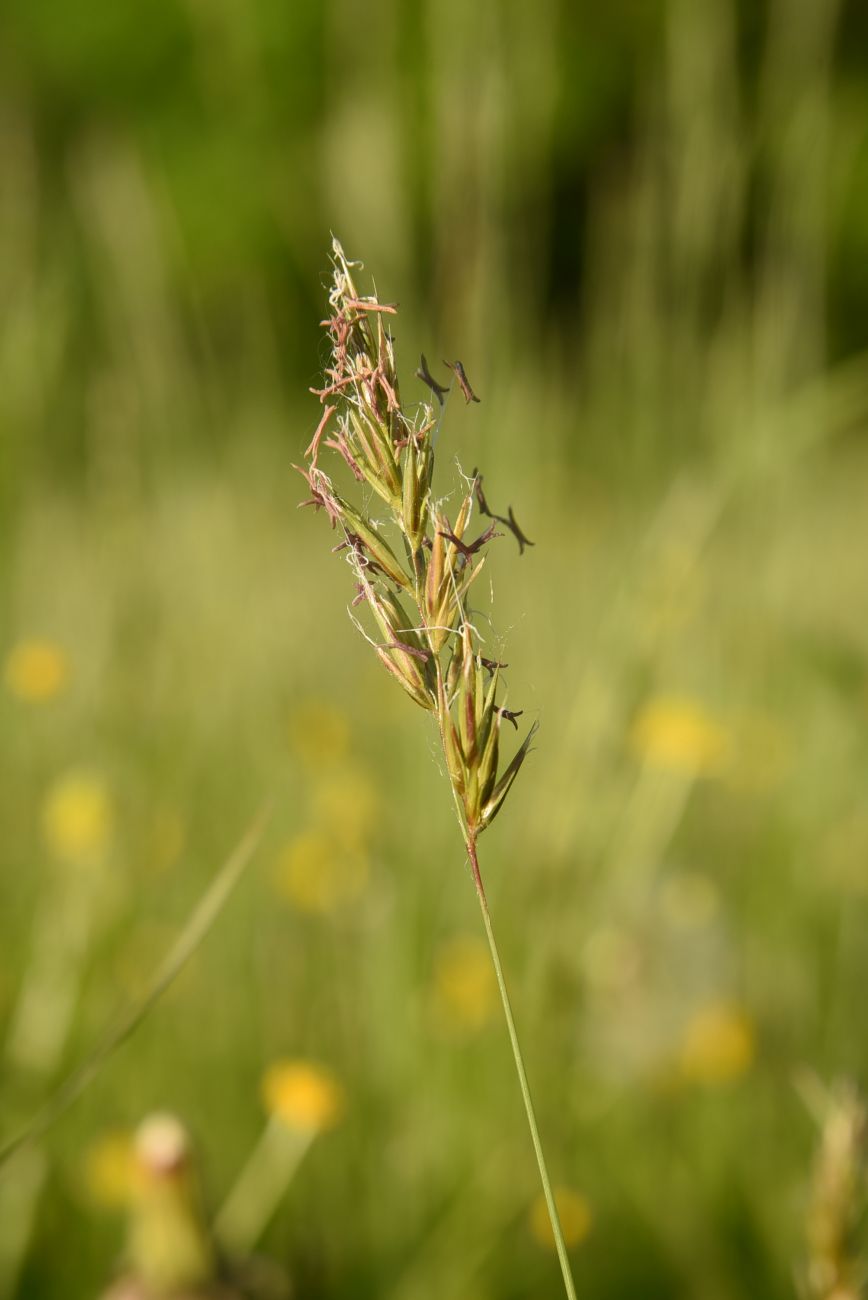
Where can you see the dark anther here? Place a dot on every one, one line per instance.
(423, 373)
(519, 536)
(511, 715)
(466, 550)
(509, 521)
(463, 381)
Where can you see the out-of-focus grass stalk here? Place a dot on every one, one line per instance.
(836, 1263)
(45, 1011)
(755, 376)
(196, 928)
(41, 1022)
(259, 1188)
(303, 1098)
(454, 1249)
(20, 1190)
(795, 132)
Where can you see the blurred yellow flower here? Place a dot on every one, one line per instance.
(36, 670)
(305, 1096)
(718, 1045)
(108, 1170)
(77, 817)
(316, 874)
(347, 804)
(465, 992)
(319, 734)
(677, 734)
(574, 1211)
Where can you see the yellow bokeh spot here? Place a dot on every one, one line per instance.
(348, 805)
(319, 734)
(77, 818)
(718, 1045)
(465, 992)
(574, 1212)
(36, 671)
(305, 1096)
(108, 1170)
(676, 734)
(317, 875)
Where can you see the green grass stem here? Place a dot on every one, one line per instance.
(554, 1217)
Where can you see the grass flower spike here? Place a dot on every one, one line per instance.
(415, 572)
(415, 566)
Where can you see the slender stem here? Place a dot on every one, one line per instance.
(569, 1285)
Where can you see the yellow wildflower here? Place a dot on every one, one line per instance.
(465, 992)
(108, 1170)
(574, 1211)
(77, 818)
(36, 670)
(677, 734)
(318, 875)
(319, 734)
(347, 803)
(305, 1096)
(718, 1044)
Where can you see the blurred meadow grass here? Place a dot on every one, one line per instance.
(645, 231)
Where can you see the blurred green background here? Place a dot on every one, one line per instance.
(644, 229)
